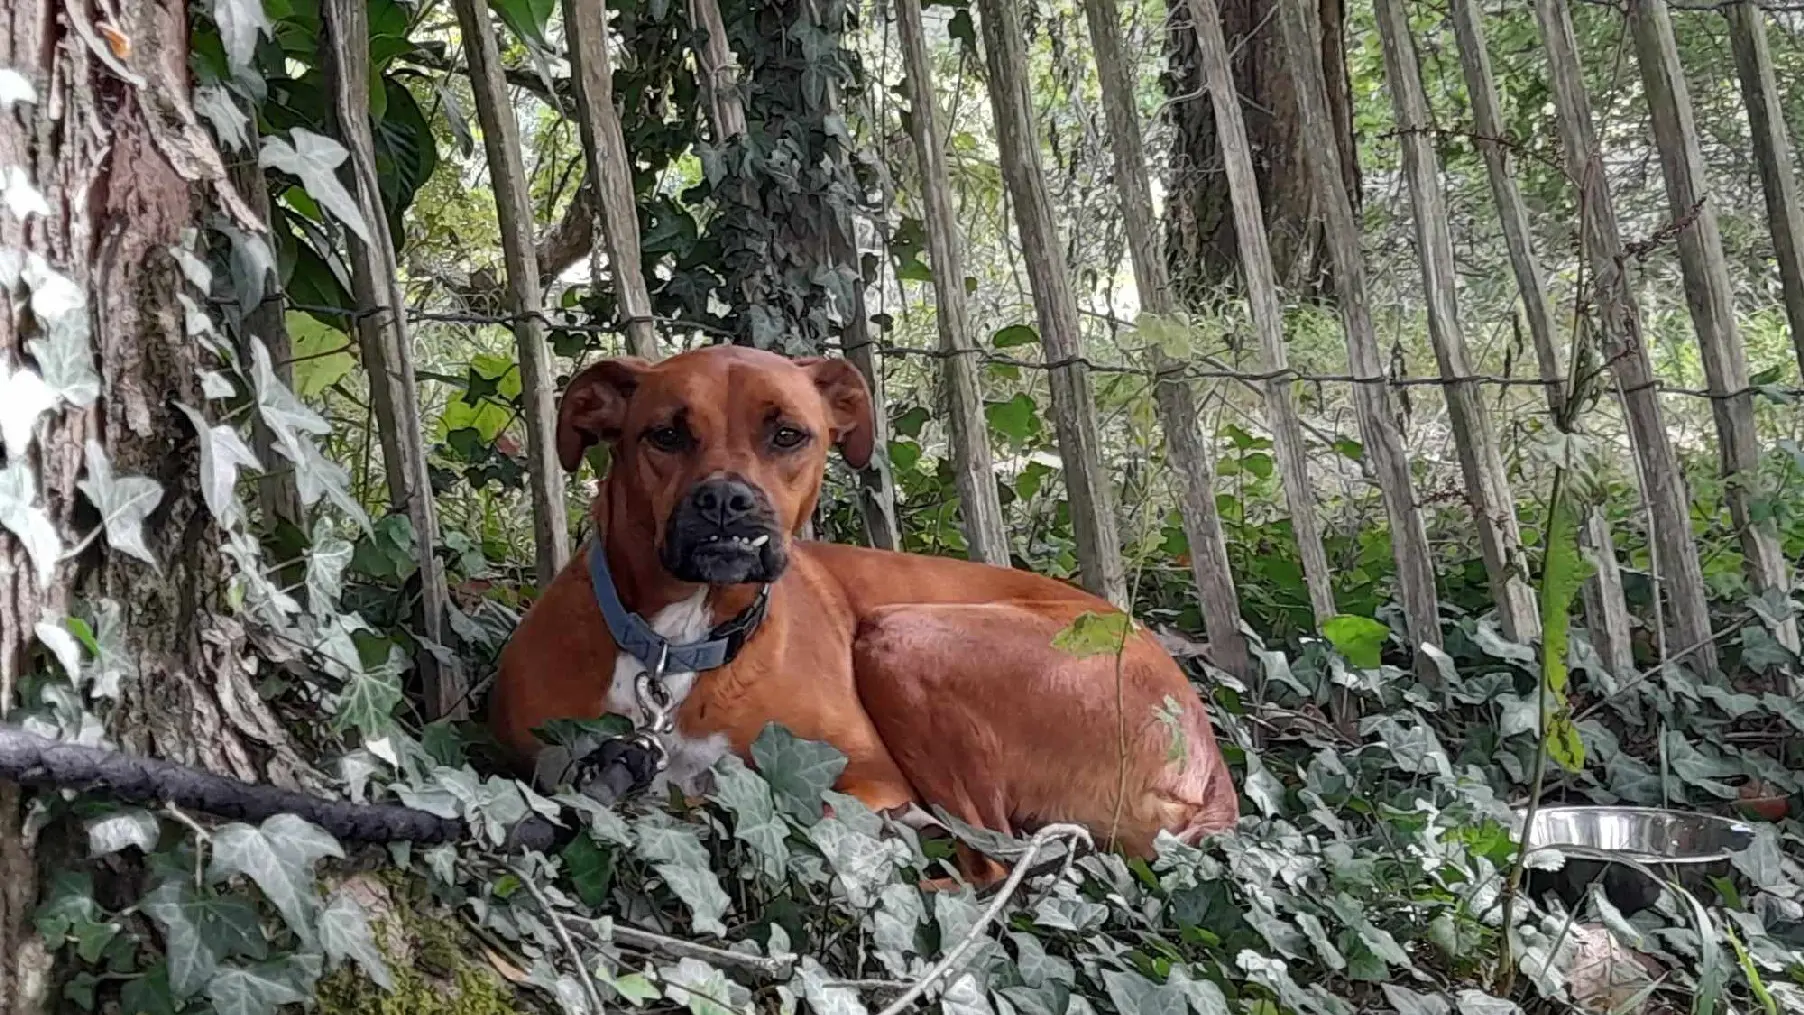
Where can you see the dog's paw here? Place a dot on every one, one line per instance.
(614, 770)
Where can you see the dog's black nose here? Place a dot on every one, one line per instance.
(724, 501)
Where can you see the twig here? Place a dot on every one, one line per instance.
(563, 937)
(677, 948)
(956, 957)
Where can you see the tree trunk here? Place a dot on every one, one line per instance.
(1187, 454)
(1710, 296)
(1606, 612)
(1055, 304)
(513, 210)
(1264, 304)
(1773, 155)
(610, 168)
(1685, 619)
(1487, 485)
(1200, 227)
(387, 349)
(981, 509)
(1371, 389)
(118, 212)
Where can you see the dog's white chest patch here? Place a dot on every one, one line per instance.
(690, 757)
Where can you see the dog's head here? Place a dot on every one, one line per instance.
(717, 453)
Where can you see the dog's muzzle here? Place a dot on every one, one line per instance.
(724, 533)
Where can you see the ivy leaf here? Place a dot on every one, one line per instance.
(149, 994)
(326, 563)
(240, 23)
(23, 398)
(252, 261)
(824, 999)
(756, 823)
(1473, 1001)
(798, 771)
(1015, 335)
(65, 358)
(1359, 640)
(314, 160)
(1094, 634)
(255, 990)
(21, 516)
(700, 891)
(279, 856)
(222, 454)
(1408, 1002)
(124, 503)
(702, 987)
(591, 869)
(344, 933)
(662, 840)
(368, 702)
(199, 930)
(230, 125)
(1017, 419)
(134, 827)
(1134, 994)
(1564, 745)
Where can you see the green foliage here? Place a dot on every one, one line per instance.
(1359, 639)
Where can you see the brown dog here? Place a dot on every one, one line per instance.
(937, 678)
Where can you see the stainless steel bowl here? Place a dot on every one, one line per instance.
(1623, 846)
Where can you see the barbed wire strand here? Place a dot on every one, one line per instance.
(1193, 372)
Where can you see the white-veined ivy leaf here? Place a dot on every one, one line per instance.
(1134, 994)
(317, 476)
(662, 840)
(15, 88)
(368, 701)
(634, 987)
(1473, 1001)
(798, 770)
(252, 264)
(327, 559)
(314, 160)
(755, 820)
(700, 890)
(214, 384)
(603, 823)
(114, 832)
(279, 856)
(964, 996)
(824, 999)
(53, 631)
(344, 933)
(257, 990)
(1038, 968)
(1265, 789)
(149, 993)
(65, 358)
(1204, 996)
(222, 454)
(23, 398)
(54, 295)
(113, 659)
(199, 931)
(703, 988)
(1762, 862)
(19, 195)
(1408, 1002)
(286, 414)
(21, 515)
(230, 124)
(863, 862)
(1320, 941)
(899, 915)
(240, 22)
(123, 502)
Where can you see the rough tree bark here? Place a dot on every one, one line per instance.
(1773, 155)
(610, 168)
(1371, 392)
(526, 302)
(384, 340)
(1710, 296)
(979, 506)
(1685, 620)
(1055, 305)
(118, 206)
(1189, 456)
(1487, 485)
(1263, 301)
(1606, 612)
(1200, 227)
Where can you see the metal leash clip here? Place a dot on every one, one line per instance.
(654, 711)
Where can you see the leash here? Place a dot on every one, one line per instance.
(627, 765)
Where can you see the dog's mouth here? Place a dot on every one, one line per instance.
(724, 534)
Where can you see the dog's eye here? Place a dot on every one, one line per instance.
(666, 438)
(788, 437)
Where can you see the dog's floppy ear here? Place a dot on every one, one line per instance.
(848, 404)
(594, 406)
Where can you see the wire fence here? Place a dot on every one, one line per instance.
(565, 321)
